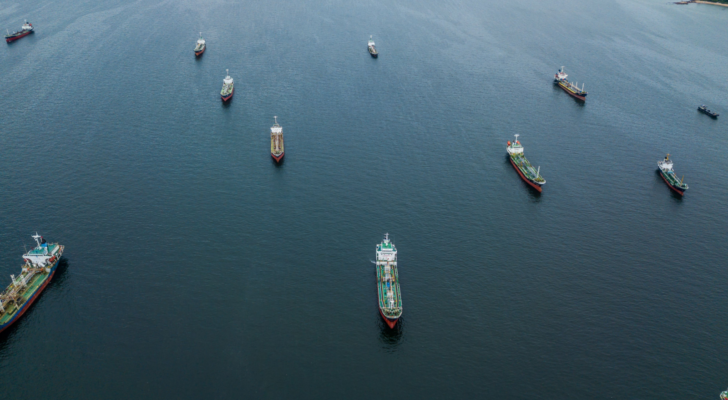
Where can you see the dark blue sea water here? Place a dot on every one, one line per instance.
(197, 268)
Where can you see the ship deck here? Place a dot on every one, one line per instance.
(11, 309)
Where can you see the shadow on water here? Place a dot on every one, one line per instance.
(390, 338)
(58, 279)
(278, 164)
(673, 193)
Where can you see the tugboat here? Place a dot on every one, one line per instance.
(372, 49)
(39, 268)
(668, 175)
(390, 297)
(228, 87)
(523, 167)
(571, 88)
(276, 142)
(703, 109)
(26, 30)
(200, 48)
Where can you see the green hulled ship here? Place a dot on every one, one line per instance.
(531, 175)
(668, 175)
(390, 297)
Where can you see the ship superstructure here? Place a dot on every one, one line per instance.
(372, 48)
(669, 176)
(390, 297)
(531, 175)
(39, 268)
(276, 142)
(228, 87)
(571, 88)
(200, 47)
(26, 30)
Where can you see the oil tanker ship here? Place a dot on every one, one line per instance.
(26, 30)
(276, 142)
(571, 88)
(200, 47)
(39, 268)
(668, 175)
(524, 168)
(390, 297)
(228, 87)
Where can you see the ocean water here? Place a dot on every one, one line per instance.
(197, 268)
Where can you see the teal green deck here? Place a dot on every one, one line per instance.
(10, 309)
(382, 287)
(526, 168)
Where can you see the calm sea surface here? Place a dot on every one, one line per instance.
(197, 268)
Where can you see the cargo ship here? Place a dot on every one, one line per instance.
(571, 88)
(228, 87)
(724, 395)
(200, 47)
(38, 270)
(390, 297)
(372, 49)
(703, 109)
(668, 175)
(276, 142)
(26, 30)
(524, 168)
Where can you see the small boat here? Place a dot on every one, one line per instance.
(372, 49)
(531, 175)
(26, 30)
(200, 47)
(390, 297)
(572, 89)
(276, 142)
(703, 109)
(668, 175)
(38, 270)
(228, 87)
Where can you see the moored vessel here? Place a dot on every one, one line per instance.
(200, 47)
(531, 175)
(571, 88)
(26, 30)
(668, 175)
(372, 48)
(390, 297)
(703, 109)
(38, 270)
(228, 87)
(724, 395)
(276, 141)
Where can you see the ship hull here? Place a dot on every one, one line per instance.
(681, 191)
(199, 53)
(711, 115)
(14, 38)
(279, 157)
(531, 183)
(372, 52)
(230, 96)
(391, 322)
(570, 93)
(32, 298)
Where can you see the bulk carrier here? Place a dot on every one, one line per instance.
(668, 175)
(26, 30)
(571, 88)
(524, 168)
(276, 142)
(39, 268)
(390, 297)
